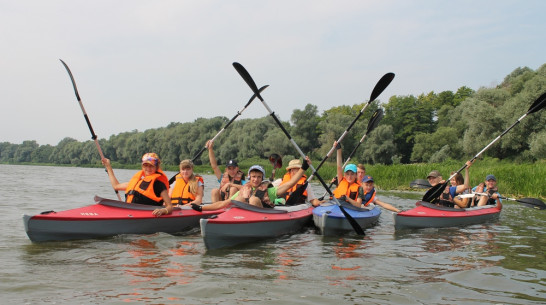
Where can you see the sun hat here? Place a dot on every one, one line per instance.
(150, 158)
(367, 178)
(434, 174)
(293, 164)
(256, 168)
(350, 167)
(490, 177)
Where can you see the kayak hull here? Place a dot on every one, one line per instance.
(108, 218)
(427, 215)
(243, 223)
(331, 221)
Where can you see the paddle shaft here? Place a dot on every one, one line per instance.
(374, 121)
(250, 82)
(93, 135)
(200, 152)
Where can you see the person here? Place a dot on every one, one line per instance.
(256, 191)
(291, 170)
(368, 196)
(349, 188)
(188, 187)
(230, 181)
(434, 177)
(489, 187)
(149, 186)
(459, 185)
(360, 172)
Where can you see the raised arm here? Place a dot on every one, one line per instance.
(212, 158)
(113, 180)
(283, 188)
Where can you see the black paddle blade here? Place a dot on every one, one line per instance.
(352, 221)
(434, 192)
(538, 104)
(381, 85)
(532, 203)
(420, 183)
(248, 79)
(296, 196)
(72, 79)
(374, 121)
(275, 160)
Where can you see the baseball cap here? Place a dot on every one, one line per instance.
(256, 168)
(150, 158)
(490, 177)
(350, 167)
(367, 178)
(232, 163)
(434, 174)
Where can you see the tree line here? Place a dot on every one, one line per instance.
(432, 127)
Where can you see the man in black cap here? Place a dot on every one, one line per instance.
(230, 181)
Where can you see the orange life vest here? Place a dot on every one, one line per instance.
(291, 190)
(344, 188)
(181, 192)
(370, 196)
(144, 185)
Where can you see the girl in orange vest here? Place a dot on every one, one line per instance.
(148, 186)
(349, 188)
(188, 187)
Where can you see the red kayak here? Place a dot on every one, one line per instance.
(108, 218)
(428, 215)
(243, 223)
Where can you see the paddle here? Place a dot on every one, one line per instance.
(374, 121)
(93, 135)
(250, 82)
(173, 178)
(379, 87)
(420, 183)
(438, 189)
(528, 202)
(276, 162)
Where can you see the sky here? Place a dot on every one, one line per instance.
(144, 64)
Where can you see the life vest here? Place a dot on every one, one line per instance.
(368, 198)
(141, 188)
(291, 190)
(344, 189)
(181, 192)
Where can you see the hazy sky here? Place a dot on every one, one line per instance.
(144, 64)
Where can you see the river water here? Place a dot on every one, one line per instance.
(494, 263)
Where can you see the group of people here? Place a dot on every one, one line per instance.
(151, 186)
(485, 193)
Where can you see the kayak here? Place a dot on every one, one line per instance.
(245, 223)
(331, 221)
(109, 218)
(428, 215)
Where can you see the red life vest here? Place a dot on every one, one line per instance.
(344, 188)
(291, 190)
(144, 185)
(181, 192)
